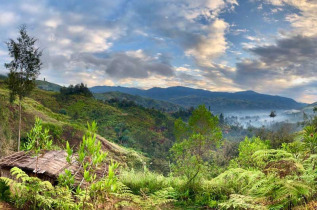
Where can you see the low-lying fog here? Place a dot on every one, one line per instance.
(259, 118)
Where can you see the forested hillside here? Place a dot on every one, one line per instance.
(114, 97)
(130, 125)
(44, 85)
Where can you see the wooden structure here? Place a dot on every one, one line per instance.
(50, 165)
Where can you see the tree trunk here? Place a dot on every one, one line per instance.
(37, 156)
(36, 165)
(20, 116)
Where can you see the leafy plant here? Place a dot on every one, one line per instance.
(237, 201)
(246, 149)
(38, 140)
(297, 148)
(310, 138)
(29, 192)
(4, 191)
(283, 193)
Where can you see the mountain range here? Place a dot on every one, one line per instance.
(139, 100)
(174, 97)
(218, 101)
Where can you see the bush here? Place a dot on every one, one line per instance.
(246, 149)
(55, 131)
(62, 111)
(4, 191)
(33, 193)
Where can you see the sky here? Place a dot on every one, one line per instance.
(269, 46)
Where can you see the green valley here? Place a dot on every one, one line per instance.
(176, 164)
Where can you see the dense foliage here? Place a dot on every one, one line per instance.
(79, 89)
(195, 166)
(117, 97)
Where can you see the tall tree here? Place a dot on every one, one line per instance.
(195, 142)
(24, 68)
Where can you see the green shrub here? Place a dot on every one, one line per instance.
(4, 191)
(237, 201)
(261, 158)
(62, 111)
(30, 192)
(283, 193)
(55, 131)
(246, 150)
(232, 181)
(147, 182)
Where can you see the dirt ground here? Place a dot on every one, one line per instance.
(5, 206)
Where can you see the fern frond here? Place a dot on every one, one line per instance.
(19, 174)
(237, 201)
(44, 201)
(46, 185)
(6, 180)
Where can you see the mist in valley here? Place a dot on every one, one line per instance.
(260, 118)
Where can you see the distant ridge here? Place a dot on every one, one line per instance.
(139, 100)
(44, 85)
(2, 77)
(187, 97)
(218, 101)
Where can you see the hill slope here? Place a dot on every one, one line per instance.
(44, 85)
(218, 101)
(143, 129)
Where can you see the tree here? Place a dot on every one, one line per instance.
(24, 68)
(196, 140)
(272, 114)
(221, 119)
(79, 89)
(247, 148)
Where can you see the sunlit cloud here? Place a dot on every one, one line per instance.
(218, 45)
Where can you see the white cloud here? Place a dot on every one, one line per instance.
(304, 23)
(7, 18)
(212, 45)
(53, 23)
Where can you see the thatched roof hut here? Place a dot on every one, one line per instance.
(50, 165)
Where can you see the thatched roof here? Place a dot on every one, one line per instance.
(50, 164)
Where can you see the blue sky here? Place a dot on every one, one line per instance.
(269, 46)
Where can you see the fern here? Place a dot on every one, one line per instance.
(261, 157)
(237, 201)
(7, 180)
(281, 192)
(4, 191)
(19, 174)
(63, 198)
(31, 192)
(233, 181)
